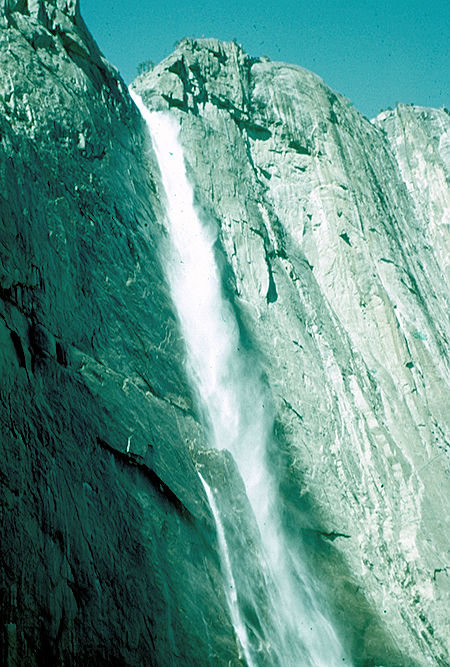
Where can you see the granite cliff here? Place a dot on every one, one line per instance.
(334, 234)
(107, 541)
(335, 237)
(332, 237)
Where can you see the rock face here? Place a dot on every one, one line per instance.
(331, 237)
(108, 549)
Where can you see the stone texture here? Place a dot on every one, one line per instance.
(334, 245)
(108, 549)
(420, 141)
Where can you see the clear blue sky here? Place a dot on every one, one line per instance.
(376, 54)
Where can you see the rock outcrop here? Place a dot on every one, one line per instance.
(334, 242)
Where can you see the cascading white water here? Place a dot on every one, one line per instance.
(230, 589)
(233, 395)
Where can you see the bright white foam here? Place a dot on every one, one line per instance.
(232, 392)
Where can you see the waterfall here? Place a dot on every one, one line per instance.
(240, 419)
(230, 588)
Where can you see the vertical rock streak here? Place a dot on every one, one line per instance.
(232, 393)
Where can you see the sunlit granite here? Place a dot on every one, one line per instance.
(332, 233)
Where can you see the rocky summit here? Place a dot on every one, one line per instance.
(331, 238)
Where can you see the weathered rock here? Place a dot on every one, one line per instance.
(332, 238)
(108, 547)
(420, 141)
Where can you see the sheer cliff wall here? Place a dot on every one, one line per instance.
(108, 549)
(333, 234)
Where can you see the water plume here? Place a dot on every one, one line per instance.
(231, 391)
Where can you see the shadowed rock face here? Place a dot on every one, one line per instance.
(108, 550)
(333, 238)
(331, 241)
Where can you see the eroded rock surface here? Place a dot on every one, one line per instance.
(333, 237)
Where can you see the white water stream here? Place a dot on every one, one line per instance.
(232, 393)
(230, 588)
